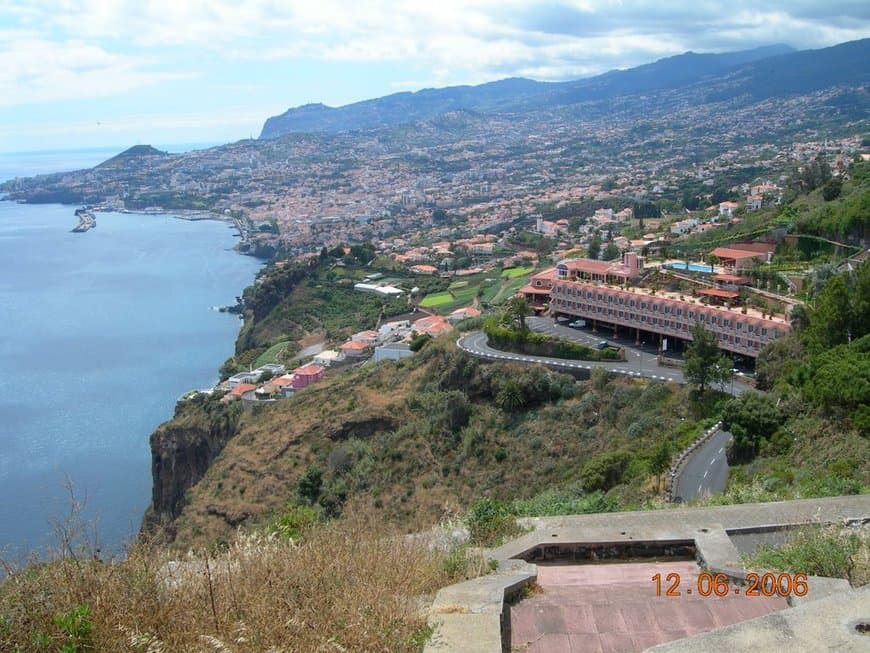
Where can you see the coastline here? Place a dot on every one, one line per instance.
(141, 257)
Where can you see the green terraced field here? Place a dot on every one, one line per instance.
(434, 300)
(512, 273)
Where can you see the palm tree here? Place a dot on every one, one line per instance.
(518, 308)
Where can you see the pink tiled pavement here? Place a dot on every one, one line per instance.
(613, 608)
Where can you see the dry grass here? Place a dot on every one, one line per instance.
(349, 586)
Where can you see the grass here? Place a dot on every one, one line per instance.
(510, 289)
(434, 300)
(816, 551)
(273, 353)
(512, 273)
(348, 585)
(490, 290)
(457, 285)
(444, 302)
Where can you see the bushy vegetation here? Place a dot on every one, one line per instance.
(434, 432)
(351, 584)
(289, 302)
(810, 434)
(504, 335)
(815, 551)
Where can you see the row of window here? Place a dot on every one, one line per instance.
(705, 316)
(674, 327)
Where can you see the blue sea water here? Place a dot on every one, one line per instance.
(99, 334)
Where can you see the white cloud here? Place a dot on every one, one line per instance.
(466, 40)
(36, 70)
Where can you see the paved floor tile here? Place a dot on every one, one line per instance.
(609, 608)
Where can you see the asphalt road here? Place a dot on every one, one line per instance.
(705, 471)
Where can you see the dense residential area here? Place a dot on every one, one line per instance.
(484, 344)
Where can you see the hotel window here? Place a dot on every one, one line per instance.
(764, 331)
(679, 312)
(631, 303)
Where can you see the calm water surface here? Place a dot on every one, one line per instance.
(99, 334)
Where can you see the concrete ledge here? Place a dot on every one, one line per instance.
(681, 523)
(827, 624)
(469, 616)
(819, 587)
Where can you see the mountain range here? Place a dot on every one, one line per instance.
(757, 74)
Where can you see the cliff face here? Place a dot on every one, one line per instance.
(182, 450)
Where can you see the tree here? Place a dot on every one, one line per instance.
(861, 302)
(309, 486)
(831, 321)
(611, 252)
(704, 363)
(517, 309)
(751, 419)
(594, 248)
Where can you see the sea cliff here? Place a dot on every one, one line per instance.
(182, 450)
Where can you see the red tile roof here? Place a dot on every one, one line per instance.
(309, 370)
(716, 292)
(727, 252)
(242, 388)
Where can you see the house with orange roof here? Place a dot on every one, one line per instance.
(736, 258)
(284, 384)
(306, 375)
(369, 337)
(424, 269)
(606, 271)
(434, 325)
(463, 314)
(238, 391)
(354, 348)
(537, 291)
(726, 209)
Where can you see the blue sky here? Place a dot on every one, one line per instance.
(93, 73)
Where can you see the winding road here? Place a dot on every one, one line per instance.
(704, 471)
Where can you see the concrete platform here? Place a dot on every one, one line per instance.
(613, 608)
(605, 610)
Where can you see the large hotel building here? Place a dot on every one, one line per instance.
(587, 289)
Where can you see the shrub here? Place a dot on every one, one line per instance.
(293, 523)
(605, 470)
(813, 551)
(490, 522)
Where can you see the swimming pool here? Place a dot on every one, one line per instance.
(694, 267)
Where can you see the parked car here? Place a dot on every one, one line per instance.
(577, 324)
(602, 345)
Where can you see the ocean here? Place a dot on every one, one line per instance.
(100, 333)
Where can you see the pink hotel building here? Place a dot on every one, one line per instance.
(579, 293)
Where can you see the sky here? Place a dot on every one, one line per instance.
(115, 73)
